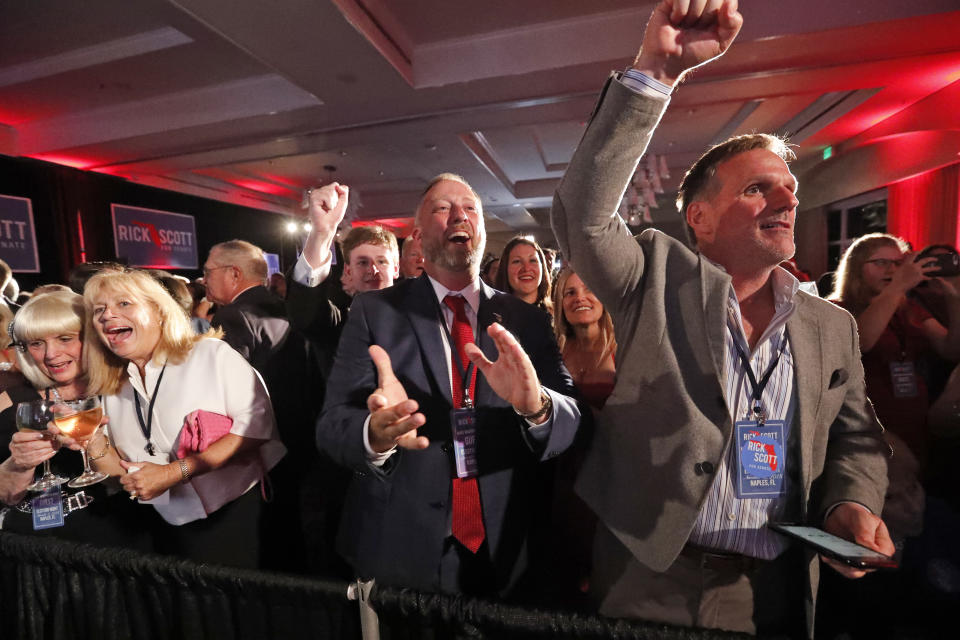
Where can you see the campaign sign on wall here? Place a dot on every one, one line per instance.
(18, 237)
(273, 263)
(155, 239)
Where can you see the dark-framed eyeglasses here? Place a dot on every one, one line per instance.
(885, 263)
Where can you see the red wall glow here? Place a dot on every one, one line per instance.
(924, 209)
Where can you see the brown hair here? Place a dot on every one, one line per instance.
(849, 289)
(543, 289)
(699, 178)
(564, 330)
(375, 235)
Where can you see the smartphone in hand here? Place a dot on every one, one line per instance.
(835, 547)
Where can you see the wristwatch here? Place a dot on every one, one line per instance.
(546, 405)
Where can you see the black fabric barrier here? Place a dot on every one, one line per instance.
(56, 590)
(406, 614)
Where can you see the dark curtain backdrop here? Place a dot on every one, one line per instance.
(924, 209)
(58, 193)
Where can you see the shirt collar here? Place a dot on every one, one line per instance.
(470, 293)
(784, 284)
(785, 287)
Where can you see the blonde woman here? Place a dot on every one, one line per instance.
(155, 371)
(587, 343)
(47, 337)
(585, 336)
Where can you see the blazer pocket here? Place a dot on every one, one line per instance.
(837, 378)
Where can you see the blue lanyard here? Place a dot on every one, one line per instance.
(758, 387)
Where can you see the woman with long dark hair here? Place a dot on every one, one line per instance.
(524, 272)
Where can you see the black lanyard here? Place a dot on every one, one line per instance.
(455, 354)
(147, 428)
(758, 388)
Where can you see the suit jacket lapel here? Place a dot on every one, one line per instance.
(716, 289)
(803, 327)
(487, 314)
(421, 308)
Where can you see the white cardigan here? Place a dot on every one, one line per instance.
(216, 378)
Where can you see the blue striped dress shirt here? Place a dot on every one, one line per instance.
(727, 523)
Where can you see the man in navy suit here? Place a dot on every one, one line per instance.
(404, 355)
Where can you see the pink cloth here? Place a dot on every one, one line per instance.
(200, 430)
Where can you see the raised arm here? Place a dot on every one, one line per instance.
(684, 34)
(326, 208)
(873, 321)
(680, 35)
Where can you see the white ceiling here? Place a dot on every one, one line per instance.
(247, 102)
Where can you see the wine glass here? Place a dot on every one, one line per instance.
(80, 419)
(35, 416)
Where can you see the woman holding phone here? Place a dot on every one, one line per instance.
(898, 336)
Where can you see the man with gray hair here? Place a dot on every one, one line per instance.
(255, 323)
(254, 320)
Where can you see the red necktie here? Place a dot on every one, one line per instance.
(467, 526)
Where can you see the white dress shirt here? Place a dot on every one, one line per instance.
(216, 378)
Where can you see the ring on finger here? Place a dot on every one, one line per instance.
(133, 495)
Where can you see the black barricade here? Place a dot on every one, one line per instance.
(53, 589)
(407, 614)
(63, 591)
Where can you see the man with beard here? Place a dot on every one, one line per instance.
(445, 487)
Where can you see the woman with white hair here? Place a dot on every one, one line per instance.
(47, 337)
(191, 425)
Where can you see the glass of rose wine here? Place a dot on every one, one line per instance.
(35, 416)
(80, 419)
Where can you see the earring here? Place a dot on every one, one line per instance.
(13, 339)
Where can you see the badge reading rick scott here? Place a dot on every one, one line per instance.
(761, 460)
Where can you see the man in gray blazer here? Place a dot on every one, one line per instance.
(739, 400)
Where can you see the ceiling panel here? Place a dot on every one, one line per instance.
(247, 102)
